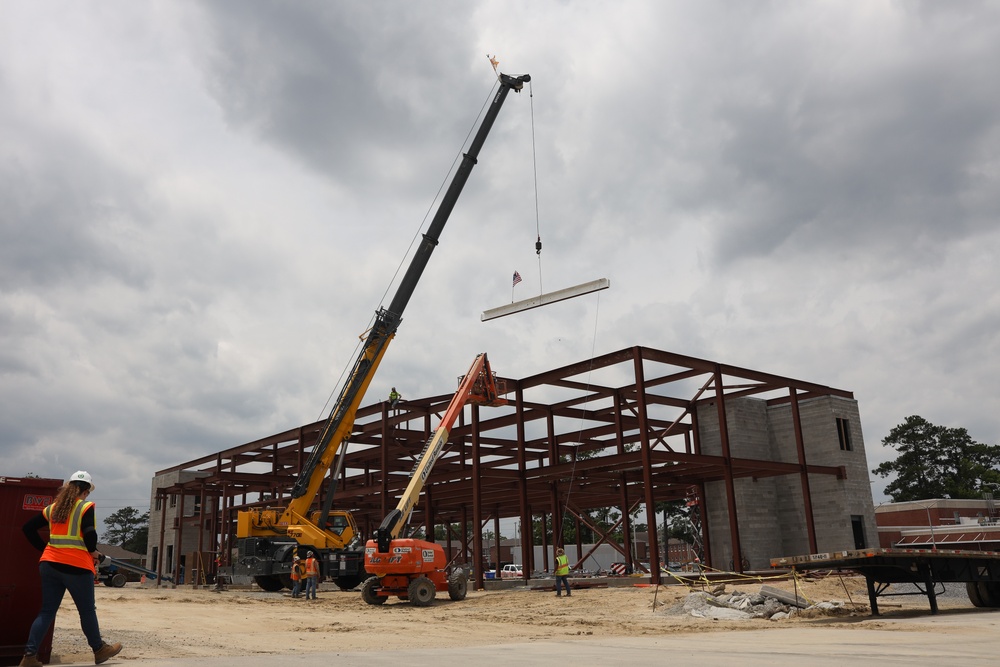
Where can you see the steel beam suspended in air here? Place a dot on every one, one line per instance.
(546, 299)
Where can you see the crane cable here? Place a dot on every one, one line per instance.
(409, 249)
(534, 167)
(583, 415)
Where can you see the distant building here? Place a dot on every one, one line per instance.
(971, 525)
(182, 535)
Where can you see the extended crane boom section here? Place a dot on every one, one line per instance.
(269, 537)
(478, 386)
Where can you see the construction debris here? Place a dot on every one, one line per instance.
(768, 603)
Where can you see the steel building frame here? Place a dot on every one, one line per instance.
(619, 430)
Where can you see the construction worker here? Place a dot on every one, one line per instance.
(394, 397)
(312, 575)
(298, 572)
(562, 572)
(68, 563)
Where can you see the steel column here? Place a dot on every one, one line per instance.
(734, 529)
(800, 447)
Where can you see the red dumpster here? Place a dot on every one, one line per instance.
(20, 590)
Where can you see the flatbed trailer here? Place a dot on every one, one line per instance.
(924, 568)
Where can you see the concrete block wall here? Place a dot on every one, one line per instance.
(770, 511)
(191, 530)
(756, 500)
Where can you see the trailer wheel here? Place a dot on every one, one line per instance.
(118, 580)
(369, 592)
(269, 582)
(972, 588)
(990, 592)
(458, 585)
(421, 592)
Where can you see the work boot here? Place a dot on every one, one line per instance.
(30, 661)
(106, 652)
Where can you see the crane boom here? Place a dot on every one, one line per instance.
(268, 537)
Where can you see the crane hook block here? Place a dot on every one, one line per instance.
(538, 246)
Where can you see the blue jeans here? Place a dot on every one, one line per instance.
(564, 580)
(80, 585)
(312, 583)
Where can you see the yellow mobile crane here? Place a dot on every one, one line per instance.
(417, 569)
(268, 538)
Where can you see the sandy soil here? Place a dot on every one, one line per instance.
(181, 622)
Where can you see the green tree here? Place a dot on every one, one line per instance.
(128, 529)
(441, 532)
(937, 462)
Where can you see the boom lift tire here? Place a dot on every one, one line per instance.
(421, 592)
(369, 591)
(269, 582)
(458, 585)
(116, 580)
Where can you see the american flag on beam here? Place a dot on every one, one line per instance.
(517, 278)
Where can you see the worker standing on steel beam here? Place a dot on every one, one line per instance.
(562, 572)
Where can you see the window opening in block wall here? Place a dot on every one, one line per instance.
(844, 433)
(858, 525)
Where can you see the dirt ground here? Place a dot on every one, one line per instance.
(186, 622)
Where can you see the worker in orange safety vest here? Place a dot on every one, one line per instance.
(312, 575)
(68, 563)
(298, 574)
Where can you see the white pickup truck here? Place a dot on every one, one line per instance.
(511, 571)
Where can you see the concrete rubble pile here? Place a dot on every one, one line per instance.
(769, 603)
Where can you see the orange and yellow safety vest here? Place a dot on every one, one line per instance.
(66, 543)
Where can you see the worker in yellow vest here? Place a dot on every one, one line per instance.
(67, 564)
(562, 572)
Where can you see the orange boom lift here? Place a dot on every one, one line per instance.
(416, 569)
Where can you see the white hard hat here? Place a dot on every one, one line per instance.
(82, 476)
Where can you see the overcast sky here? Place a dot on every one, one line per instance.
(202, 204)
